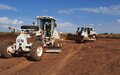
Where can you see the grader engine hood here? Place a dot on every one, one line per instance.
(26, 32)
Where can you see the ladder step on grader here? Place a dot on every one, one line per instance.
(53, 49)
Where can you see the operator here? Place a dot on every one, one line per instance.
(48, 29)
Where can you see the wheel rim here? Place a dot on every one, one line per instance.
(39, 51)
(9, 50)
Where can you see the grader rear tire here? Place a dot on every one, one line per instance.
(4, 49)
(36, 52)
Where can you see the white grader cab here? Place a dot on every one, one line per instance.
(51, 38)
(85, 34)
(45, 39)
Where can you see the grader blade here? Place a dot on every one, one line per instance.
(53, 50)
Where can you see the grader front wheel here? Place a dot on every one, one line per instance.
(36, 51)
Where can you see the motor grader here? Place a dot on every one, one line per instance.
(85, 34)
(44, 35)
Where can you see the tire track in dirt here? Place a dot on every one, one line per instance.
(46, 66)
(64, 61)
(16, 68)
(26, 64)
(11, 68)
(6, 64)
(97, 70)
(94, 53)
(55, 68)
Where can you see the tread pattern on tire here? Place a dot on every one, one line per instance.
(3, 48)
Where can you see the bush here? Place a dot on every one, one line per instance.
(111, 35)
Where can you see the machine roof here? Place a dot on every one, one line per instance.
(45, 17)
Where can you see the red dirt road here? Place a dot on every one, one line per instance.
(99, 58)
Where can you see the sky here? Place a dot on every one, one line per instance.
(104, 15)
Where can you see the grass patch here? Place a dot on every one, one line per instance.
(115, 36)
